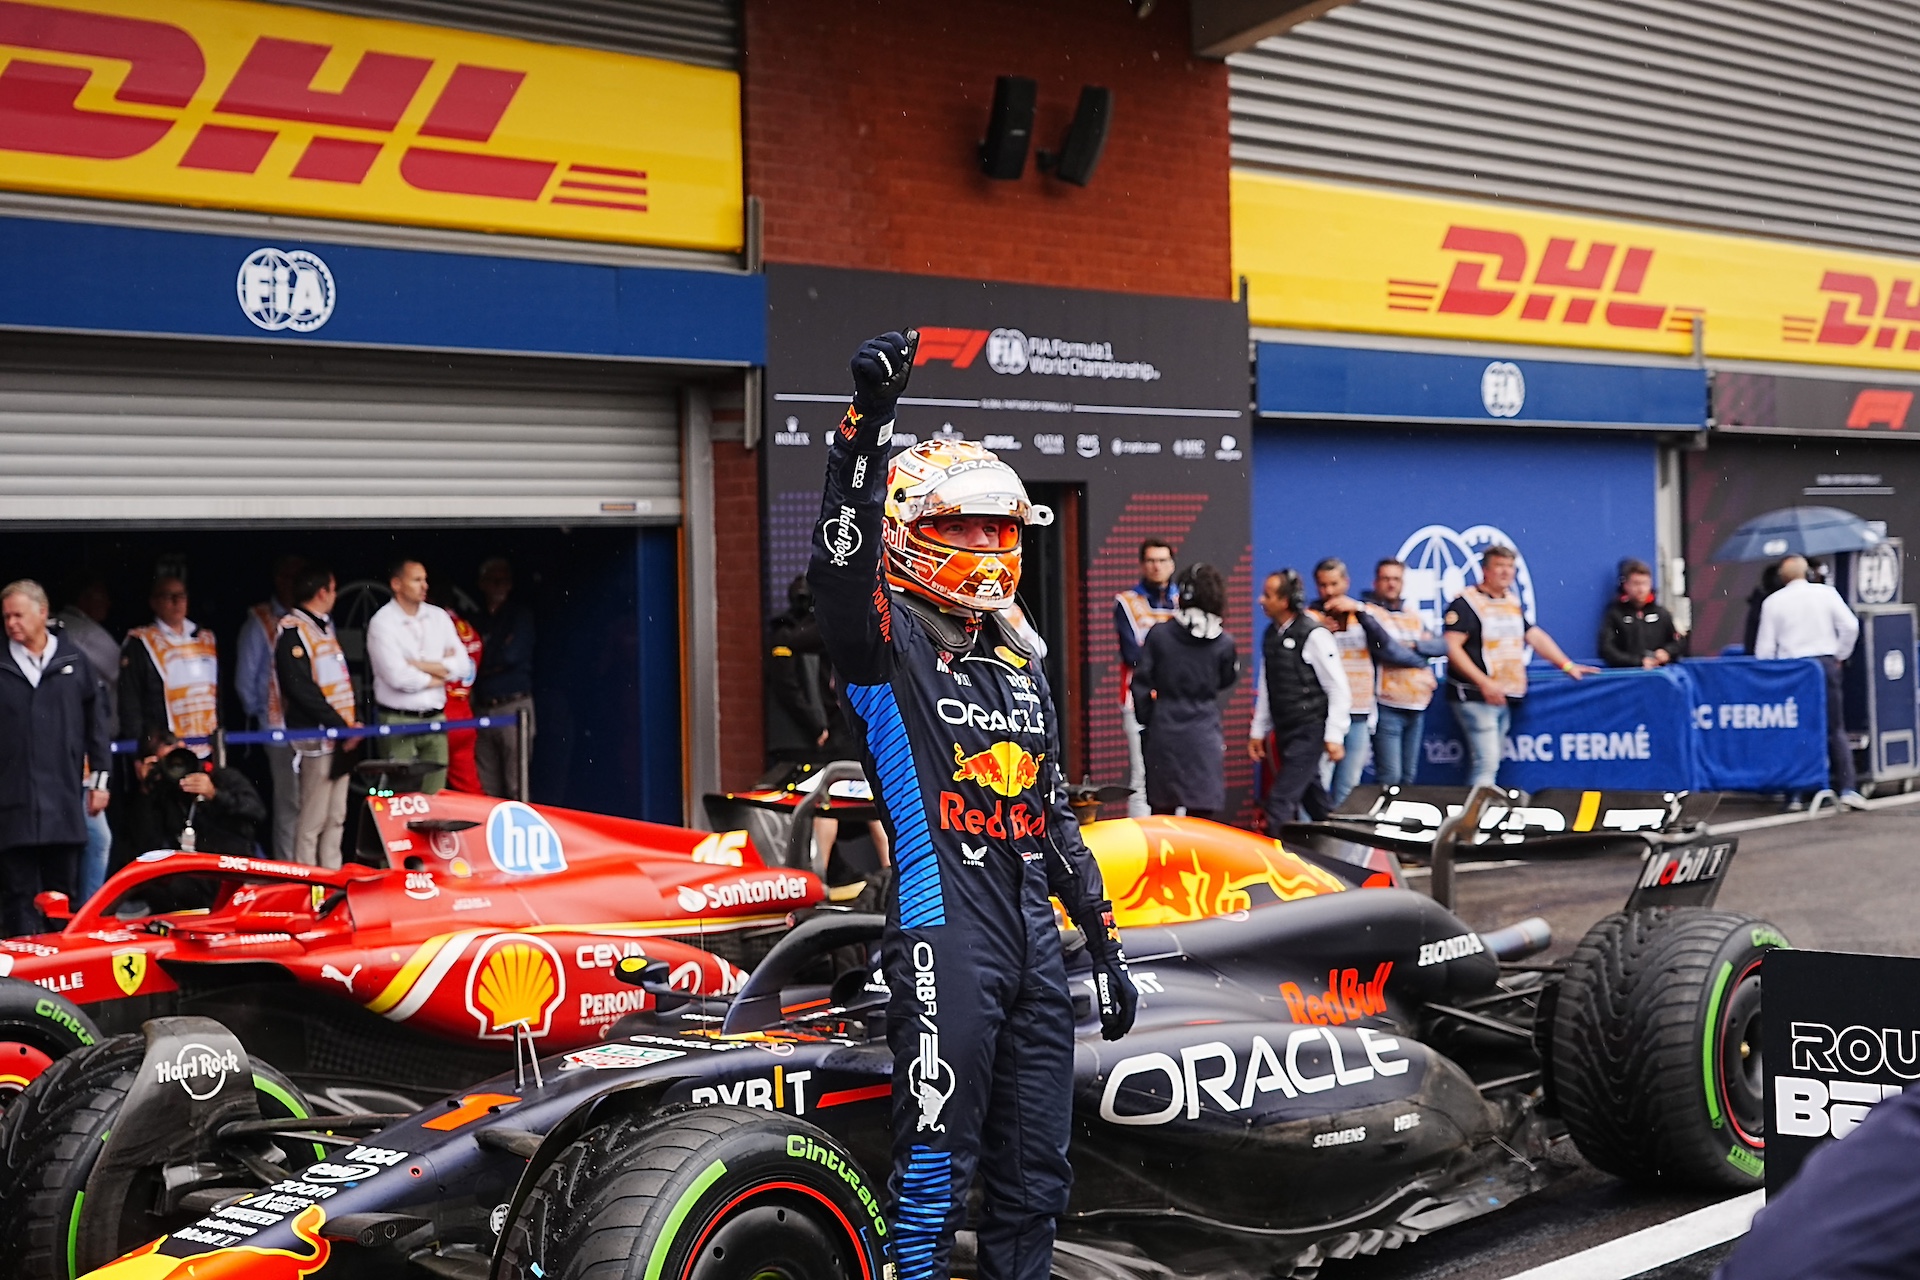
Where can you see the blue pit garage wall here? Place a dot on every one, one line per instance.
(1364, 453)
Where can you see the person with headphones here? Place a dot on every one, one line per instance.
(1303, 706)
(915, 561)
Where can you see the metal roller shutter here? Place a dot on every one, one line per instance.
(1785, 118)
(251, 437)
(703, 32)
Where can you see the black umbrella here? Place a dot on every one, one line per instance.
(1798, 531)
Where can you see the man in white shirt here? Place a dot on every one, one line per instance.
(414, 650)
(1303, 701)
(1809, 620)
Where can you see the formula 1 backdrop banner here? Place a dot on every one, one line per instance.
(1571, 503)
(1132, 408)
(1842, 1032)
(1741, 476)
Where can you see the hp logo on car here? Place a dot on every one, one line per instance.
(521, 842)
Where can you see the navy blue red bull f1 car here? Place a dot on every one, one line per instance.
(1308, 1079)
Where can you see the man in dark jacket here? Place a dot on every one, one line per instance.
(1637, 631)
(179, 790)
(1185, 664)
(804, 720)
(54, 743)
(504, 685)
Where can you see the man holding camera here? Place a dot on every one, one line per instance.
(178, 790)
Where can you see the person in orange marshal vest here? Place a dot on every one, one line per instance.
(316, 691)
(170, 672)
(1487, 637)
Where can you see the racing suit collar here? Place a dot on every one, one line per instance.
(954, 630)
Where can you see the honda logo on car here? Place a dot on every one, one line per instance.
(1467, 944)
(1809, 1107)
(1205, 1073)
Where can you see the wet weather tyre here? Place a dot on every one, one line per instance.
(1656, 1059)
(37, 1028)
(714, 1193)
(50, 1140)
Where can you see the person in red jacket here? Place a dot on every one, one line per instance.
(462, 773)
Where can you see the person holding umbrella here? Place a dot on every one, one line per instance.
(1809, 620)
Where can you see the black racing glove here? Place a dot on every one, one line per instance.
(1113, 987)
(880, 368)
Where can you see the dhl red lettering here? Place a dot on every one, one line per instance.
(471, 105)
(958, 346)
(1561, 266)
(337, 160)
(1465, 295)
(38, 101)
(276, 82)
(463, 173)
(1838, 327)
(1902, 302)
(1556, 264)
(226, 149)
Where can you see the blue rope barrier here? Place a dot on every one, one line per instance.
(257, 737)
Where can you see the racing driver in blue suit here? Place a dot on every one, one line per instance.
(964, 754)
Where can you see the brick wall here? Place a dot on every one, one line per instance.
(736, 538)
(863, 120)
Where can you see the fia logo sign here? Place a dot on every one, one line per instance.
(281, 290)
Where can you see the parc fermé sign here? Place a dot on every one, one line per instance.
(253, 106)
(1394, 262)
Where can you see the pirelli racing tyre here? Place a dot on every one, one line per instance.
(51, 1139)
(37, 1028)
(715, 1193)
(1656, 1061)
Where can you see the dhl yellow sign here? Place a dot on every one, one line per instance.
(1319, 256)
(225, 104)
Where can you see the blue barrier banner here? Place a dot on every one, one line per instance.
(1618, 729)
(1761, 724)
(257, 737)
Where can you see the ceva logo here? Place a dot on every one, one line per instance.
(523, 843)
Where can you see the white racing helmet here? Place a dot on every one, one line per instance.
(945, 478)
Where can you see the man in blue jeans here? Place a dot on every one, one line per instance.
(1404, 690)
(1487, 637)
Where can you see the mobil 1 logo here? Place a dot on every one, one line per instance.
(1842, 1033)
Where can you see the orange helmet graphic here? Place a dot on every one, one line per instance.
(938, 478)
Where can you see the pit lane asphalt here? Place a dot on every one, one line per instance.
(1845, 883)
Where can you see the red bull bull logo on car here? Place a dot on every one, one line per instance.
(1006, 768)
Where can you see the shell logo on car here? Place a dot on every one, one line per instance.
(514, 979)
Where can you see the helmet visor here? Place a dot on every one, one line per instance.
(986, 488)
(971, 532)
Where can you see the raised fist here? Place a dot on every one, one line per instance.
(880, 370)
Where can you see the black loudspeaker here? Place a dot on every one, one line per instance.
(1003, 153)
(1086, 138)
